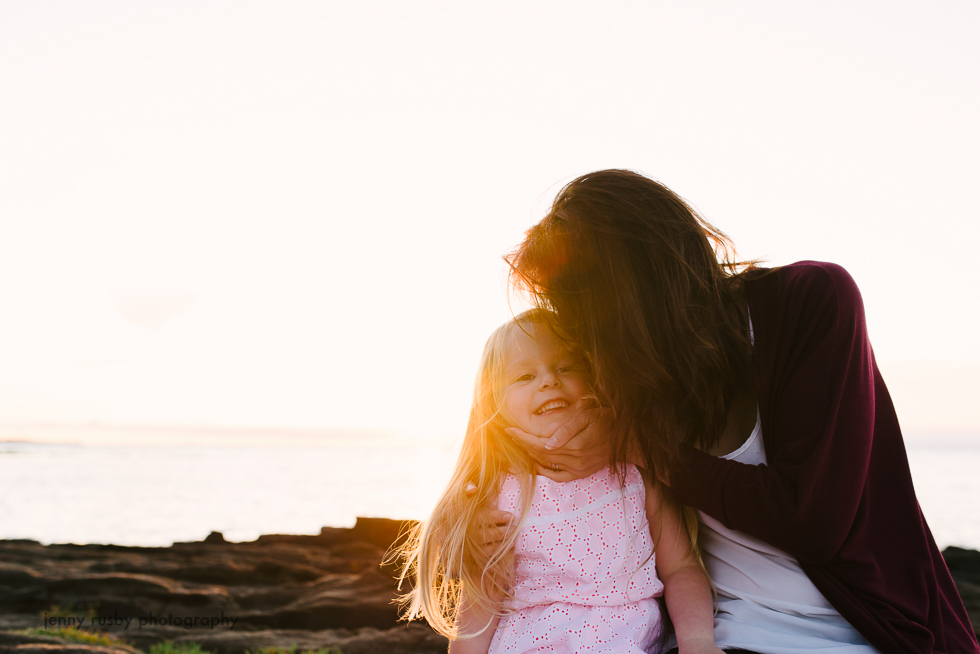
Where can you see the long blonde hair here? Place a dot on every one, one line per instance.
(444, 556)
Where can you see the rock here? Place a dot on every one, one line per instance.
(15, 643)
(65, 648)
(405, 639)
(381, 532)
(330, 588)
(964, 565)
(10, 639)
(315, 592)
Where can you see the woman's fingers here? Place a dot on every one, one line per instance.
(499, 518)
(535, 447)
(581, 421)
(586, 427)
(533, 444)
(589, 428)
(562, 465)
(496, 523)
(496, 527)
(584, 448)
(493, 535)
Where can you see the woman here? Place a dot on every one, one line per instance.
(755, 395)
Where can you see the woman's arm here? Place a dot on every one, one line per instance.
(816, 382)
(686, 586)
(471, 619)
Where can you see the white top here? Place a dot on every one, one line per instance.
(766, 603)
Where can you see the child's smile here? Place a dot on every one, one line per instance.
(543, 381)
(551, 406)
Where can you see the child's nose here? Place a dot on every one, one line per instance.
(550, 380)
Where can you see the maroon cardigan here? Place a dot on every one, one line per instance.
(836, 492)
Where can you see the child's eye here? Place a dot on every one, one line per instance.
(525, 377)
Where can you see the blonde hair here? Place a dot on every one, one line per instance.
(444, 555)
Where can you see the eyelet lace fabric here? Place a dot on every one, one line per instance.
(584, 576)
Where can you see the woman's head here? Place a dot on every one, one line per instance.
(632, 272)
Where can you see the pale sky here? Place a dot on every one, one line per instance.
(292, 214)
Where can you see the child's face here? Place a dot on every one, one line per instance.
(543, 381)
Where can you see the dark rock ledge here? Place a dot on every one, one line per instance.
(314, 592)
(311, 592)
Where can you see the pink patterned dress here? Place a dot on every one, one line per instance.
(584, 568)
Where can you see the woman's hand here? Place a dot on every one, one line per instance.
(496, 524)
(576, 449)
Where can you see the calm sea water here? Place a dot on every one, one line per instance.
(155, 496)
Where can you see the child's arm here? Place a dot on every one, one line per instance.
(686, 586)
(469, 620)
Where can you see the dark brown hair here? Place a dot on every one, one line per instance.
(650, 291)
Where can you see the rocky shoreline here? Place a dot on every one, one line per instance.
(313, 593)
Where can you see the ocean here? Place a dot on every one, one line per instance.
(154, 496)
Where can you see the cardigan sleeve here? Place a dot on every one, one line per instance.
(815, 380)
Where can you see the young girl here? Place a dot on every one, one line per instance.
(583, 568)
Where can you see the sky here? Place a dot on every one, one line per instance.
(284, 221)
